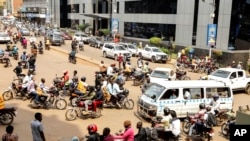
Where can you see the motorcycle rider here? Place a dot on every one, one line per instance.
(98, 97)
(115, 91)
(215, 103)
(72, 55)
(18, 69)
(44, 91)
(32, 61)
(24, 58)
(128, 134)
(110, 70)
(32, 89)
(6, 58)
(146, 68)
(65, 81)
(24, 42)
(200, 119)
(103, 68)
(89, 99)
(93, 135)
(166, 120)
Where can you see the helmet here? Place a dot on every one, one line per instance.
(166, 111)
(83, 79)
(202, 106)
(216, 97)
(65, 71)
(92, 128)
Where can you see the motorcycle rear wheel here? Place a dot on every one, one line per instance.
(61, 104)
(70, 114)
(97, 113)
(7, 95)
(186, 126)
(6, 118)
(129, 104)
(224, 129)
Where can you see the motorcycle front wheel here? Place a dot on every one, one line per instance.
(70, 114)
(129, 104)
(186, 126)
(61, 104)
(225, 129)
(6, 118)
(7, 95)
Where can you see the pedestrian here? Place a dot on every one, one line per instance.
(141, 135)
(239, 66)
(139, 63)
(106, 136)
(9, 136)
(37, 128)
(120, 60)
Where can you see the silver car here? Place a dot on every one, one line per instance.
(25, 32)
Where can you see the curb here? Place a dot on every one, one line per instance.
(79, 56)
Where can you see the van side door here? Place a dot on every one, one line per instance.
(170, 99)
(192, 97)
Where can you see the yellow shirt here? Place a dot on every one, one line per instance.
(1, 102)
(81, 88)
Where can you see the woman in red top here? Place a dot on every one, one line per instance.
(120, 59)
(128, 134)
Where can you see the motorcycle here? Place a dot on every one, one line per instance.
(182, 75)
(203, 132)
(81, 46)
(31, 70)
(225, 126)
(138, 78)
(125, 104)
(79, 107)
(128, 75)
(14, 91)
(40, 49)
(7, 115)
(72, 59)
(47, 46)
(16, 56)
(55, 99)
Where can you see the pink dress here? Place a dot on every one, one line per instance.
(128, 135)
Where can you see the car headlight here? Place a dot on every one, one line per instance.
(158, 57)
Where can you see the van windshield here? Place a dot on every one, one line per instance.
(221, 73)
(154, 91)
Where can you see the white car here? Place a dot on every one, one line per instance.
(80, 36)
(130, 47)
(113, 50)
(4, 37)
(162, 74)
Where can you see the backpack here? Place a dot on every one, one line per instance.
(211, 120)
(151, 134)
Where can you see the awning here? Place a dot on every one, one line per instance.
(96, 16)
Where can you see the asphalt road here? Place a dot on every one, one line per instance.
(56, 127)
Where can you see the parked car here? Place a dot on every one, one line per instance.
(25, 32)
(130, 47)
(113, 50)
(4, 37)
(96, 42)
(162, 74)
(55, 38)
(80, 36)
(66, 36)
(152, 53)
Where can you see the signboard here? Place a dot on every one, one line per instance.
(211, 35)
(114, 25)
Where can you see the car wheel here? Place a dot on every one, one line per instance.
(105, 54)
(153, 59)
(96, 45)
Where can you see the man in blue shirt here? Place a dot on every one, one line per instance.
(114, 90)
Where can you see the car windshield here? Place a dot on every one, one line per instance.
(56, 36)
(160, 74)
(156, 50)
(221, 73)
(154, 91)
(4, 35)
(131, 47)
(119, 48)
(83, 35)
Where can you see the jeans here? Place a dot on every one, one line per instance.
(33, 93)
(199, 127)
(78, 92)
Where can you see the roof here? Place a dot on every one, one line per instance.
(191, 83)
(162, 69)
(229, 69)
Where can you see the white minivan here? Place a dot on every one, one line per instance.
(171, 94)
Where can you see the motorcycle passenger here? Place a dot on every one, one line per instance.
(72, 55)
(25, 83)
(146, 68)
(110, 70)
(44, 91)
(24, 42)
(88, 99)
(83, 87)
(175, 126)
(73, 44)
(93, 135)
(120, 80)
(98, 97)
(103, 68)
(15, 50)
(128, 134)
(65, 81)
(24, 58)
(18, 69)
(215, 103)
(32, 89)
(200, 119)
(206, 117)
(115, 91)
(139, 63)
(32, 61)
(166, 120)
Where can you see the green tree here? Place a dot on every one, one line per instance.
(83, 27)
(155, 41)
(105, 32)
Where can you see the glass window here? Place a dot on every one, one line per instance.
(193, 93)
(154, 91)
(240, 73)
(148, 30)
(151, 6)
(222, 92)
(170, 94)
(233, 75)
(83, 8)
(221, 73)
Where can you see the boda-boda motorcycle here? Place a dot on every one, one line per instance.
(126, 103)
(7, 115)
(182, 75)
(78, 108)
(14, 90)
(72, 59)
(138, 78)
(55, 100)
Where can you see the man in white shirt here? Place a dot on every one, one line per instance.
(114, 90)
(215, 103)
(175, 126)
(110, 70)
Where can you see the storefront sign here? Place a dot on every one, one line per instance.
(211, 35)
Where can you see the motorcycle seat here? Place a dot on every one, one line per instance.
(9, 109)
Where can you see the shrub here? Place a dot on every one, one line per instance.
(187, 49)
(217, 53)
(83, 27)
(165, 50)
(155, 41)
(104, 31)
